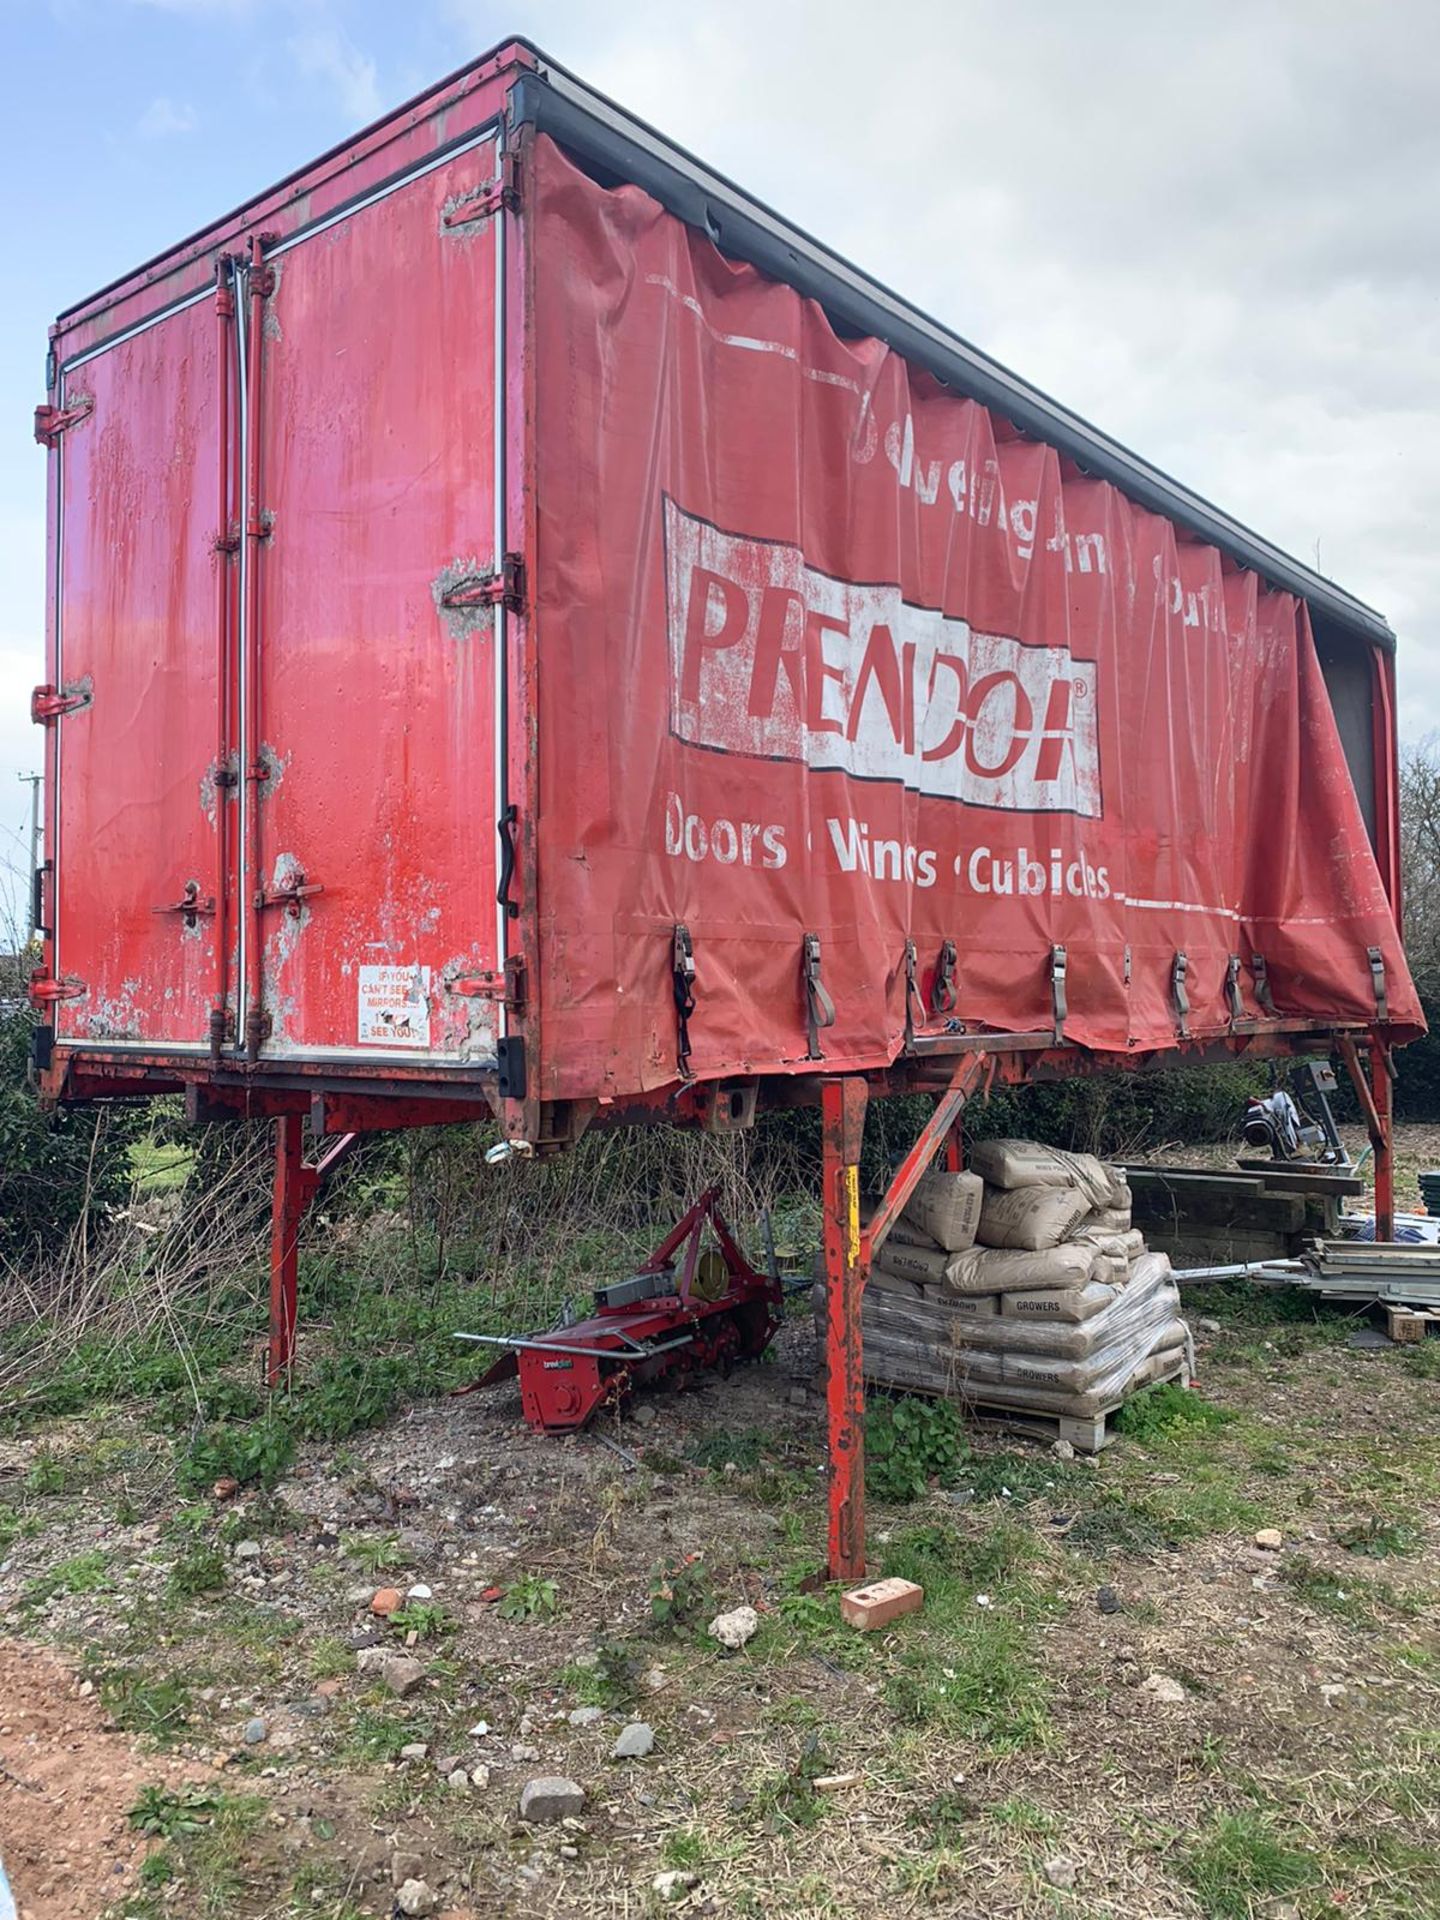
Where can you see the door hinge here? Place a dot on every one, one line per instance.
(44, 989)
(481, 202)
(48, 703)
(51, 422)
(507, 986)
(503, 589)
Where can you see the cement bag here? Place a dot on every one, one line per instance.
(929, 1265)
(1072, 1370)
(993, 1270)
(1134, 1243)
(1165, 1360)
(947, 1207)
(1071, 1304)
(893, 1283)
(1013, 1164)
(1112, 1245)
(1126, 1325)
(1109, 1219)
(1031, 1218)
(904, 1233)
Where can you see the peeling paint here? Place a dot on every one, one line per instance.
(466, 232)
(462, 622)
(270, 320)
(209, 787)
(463, 1027)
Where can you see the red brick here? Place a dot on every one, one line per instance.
(880, 1603)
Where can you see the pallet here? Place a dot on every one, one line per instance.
(1407, 1324)
(1087, 1434)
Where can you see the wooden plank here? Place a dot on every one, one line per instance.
(1284, 1176)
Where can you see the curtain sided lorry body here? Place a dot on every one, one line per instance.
(533, 633)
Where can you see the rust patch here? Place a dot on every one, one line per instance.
(461, 622)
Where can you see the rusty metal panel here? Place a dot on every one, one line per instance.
(373, 572)
(133, 811)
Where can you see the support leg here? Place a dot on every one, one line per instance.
(294, 1184)
(1376, 1103)
(842, 1114)
(1384, 1145)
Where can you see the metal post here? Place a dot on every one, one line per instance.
(291, 1192)
(1384, 1143)
(1376, 1103)
(842, 1117)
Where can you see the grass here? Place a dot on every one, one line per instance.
(1239, 1860)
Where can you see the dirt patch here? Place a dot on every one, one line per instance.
(67, 1784)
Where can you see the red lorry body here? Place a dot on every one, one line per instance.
(480, 592)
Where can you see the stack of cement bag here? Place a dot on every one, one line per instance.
(1022, 1284)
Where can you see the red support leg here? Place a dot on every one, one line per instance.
(294, 1185)
(1376, 1103)
(842, 1115)
(1384, 1145)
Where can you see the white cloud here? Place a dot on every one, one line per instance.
(165, 116)
(1211, 231)
(328, 53)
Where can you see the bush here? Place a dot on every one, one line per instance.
(55, 1168)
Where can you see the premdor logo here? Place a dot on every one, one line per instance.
(771, 658)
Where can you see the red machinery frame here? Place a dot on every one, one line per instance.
(569, 1373)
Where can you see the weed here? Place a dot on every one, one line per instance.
(47, 1474)
(1022, 1477)
(944, 1818)
(605, 1678)
(1161, 1413)
(423, 1618)
(531, 1597)
(720, 1450)
(910, 1443)
(1021, 1816)
(374, 1552)
(1353, 1598)
(329, 1659)
(683, 1849)
(201, 1570)
(245, 1453)
(1116, 1524)
(86, 1573)
(1241, 1859)
(1378, 1539)
(139, 1704)
(375, 1733)
(679, 1592)
(983, 1682)
(789, 1798)
(166, 1814)
(1423, 1360)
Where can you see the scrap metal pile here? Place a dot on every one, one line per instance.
(1022, 1285)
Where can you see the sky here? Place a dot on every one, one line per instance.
(1209, 229)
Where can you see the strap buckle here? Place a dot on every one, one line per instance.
(1377, 981)
(1181, 998)
(819, 1007)
(1059, 1004)
(682, 974)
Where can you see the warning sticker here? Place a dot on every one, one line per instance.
(395, 1006)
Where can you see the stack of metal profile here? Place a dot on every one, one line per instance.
(1405, 1272)
(1430, 1190)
